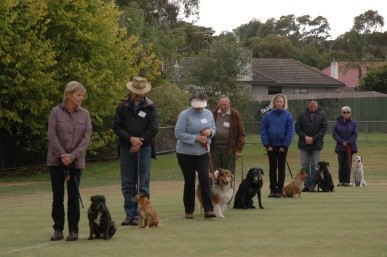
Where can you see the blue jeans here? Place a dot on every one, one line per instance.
(130, 179)
(309, 162)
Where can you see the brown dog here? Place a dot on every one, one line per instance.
(295, 187)
(147, 214)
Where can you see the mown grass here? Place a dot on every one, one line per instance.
(347, 222)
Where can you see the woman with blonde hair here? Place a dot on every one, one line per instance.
(276, 135)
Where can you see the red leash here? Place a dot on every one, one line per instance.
(348, 148)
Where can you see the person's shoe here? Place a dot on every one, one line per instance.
(134, 221)
(278, 195)
(58, 235)
(312, 189)
(305, 189)
(271, 195)
(209, 214)
(126, 221)
(340, 184)
(73, 236)
(189, 215)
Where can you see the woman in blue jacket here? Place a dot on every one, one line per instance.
(277, 130)
(345, 135)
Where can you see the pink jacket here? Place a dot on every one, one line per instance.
(68, 133)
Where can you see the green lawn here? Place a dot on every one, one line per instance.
(348, 222)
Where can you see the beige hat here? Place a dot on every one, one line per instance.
(139, 85)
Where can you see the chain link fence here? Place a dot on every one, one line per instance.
(14, 154)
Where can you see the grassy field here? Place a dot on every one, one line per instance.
(351, 221)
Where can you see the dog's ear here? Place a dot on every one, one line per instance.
(261, 171)
(327, 164)
(92, 198)
(103, 198)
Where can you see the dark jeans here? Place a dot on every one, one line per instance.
(190, 164)
(57, 186)
(344, 167)
(277, 161)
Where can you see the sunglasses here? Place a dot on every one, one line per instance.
(312, 100)
(346, 112)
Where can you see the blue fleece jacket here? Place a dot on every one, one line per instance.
(277, 129)
(188, 127)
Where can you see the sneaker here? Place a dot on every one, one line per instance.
(278, 195)
(58, 235)
(73, 236)
(189, 215)
(271, 195)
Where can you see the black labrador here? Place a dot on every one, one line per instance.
(249, 187)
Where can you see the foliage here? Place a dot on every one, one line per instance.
(375, 79)
(170, 101)
(368, 22)
(47, 43)
(27, 60)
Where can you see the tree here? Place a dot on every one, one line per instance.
(274, 46)
(368, 22)
(27, 62)
(48, 43)
(375, 79)
(218, 70)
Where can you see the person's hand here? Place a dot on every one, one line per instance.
(345, 144)
(269, 149)
(66, 159)
(281, 150)
(309, 140)
(206, 132)
(136, 142)
(202, 139)
(237, 155)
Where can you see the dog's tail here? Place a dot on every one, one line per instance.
(157, 223)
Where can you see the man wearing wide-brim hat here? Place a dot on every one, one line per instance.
(135, 124)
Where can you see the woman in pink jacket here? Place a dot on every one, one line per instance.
(69, 130)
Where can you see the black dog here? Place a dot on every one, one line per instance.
(323, 178)
(100, 221)
(248, 188)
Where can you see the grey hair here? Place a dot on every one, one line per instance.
(71, 87)
(345, 109)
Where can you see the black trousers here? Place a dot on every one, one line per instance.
(277, 161)
(190, 164)
(344, 167)
(58, 189)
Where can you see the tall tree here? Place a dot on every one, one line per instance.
(368, 22)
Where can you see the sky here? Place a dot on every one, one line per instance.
(226, 15)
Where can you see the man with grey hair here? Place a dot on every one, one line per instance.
(311, 127)
(228, 143)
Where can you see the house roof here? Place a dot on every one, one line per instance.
(284, 72)
(349, 76)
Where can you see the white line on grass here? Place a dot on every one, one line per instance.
(53, 242)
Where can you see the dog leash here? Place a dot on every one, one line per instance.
(66, 171)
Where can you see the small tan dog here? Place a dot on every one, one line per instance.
(295, 187)
(147, 214)
(221, 191)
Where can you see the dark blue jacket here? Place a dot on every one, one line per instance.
(277, 129)
(345, 131)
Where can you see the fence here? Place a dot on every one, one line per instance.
(14, 154)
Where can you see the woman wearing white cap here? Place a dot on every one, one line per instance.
(194, 129)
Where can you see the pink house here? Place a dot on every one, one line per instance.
(350, 77)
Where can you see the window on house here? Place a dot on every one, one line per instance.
(272, 90)
(300, 90)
